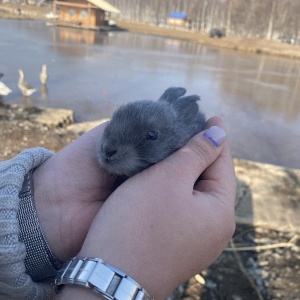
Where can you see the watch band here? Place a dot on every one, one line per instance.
(102, 278)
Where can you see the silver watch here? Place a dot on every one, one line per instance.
(102, 278)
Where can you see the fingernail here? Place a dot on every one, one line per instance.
(216, 135)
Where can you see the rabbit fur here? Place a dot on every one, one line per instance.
(144, 132)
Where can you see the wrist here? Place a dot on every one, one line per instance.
(77, 293)
(102, 278)
(133, 254)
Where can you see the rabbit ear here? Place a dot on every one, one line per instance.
(187, 107)
(191, 98)
(172, 94)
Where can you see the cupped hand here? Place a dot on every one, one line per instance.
(69, 190)
(159, 226)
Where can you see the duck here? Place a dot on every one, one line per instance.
(26, 89)
(4, 90)
(44, 75)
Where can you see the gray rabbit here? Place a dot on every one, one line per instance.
(142, 133)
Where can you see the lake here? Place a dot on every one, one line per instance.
(92, 73)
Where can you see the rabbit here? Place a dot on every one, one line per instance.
(144, 132)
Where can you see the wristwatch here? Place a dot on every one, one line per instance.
(102, 278)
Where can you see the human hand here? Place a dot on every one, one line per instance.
(159, 227)
(69, 190)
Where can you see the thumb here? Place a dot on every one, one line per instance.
(198, 154)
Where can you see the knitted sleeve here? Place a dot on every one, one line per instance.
(17, 234)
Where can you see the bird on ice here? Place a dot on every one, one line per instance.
(44, 75)
(26, 89)
(4, 90)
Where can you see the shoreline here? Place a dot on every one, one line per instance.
(246, 44)
(250, 45)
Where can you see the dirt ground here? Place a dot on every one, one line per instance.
(247, 275)
(270, 269)
(18, 132)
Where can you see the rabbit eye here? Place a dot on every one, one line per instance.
(151, 135)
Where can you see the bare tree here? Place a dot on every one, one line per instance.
(203, 15)
(271, 20)
(268, 18)
(228, 17)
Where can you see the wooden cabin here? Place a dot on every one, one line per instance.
(178, 19)
(90, 14)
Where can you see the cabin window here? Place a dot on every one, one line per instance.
(84, 14)
(72, 12)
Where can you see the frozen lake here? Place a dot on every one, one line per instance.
(92, 73)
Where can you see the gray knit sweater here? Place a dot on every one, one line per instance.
(22, 244)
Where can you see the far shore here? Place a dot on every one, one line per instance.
(253, 45)
(246, 44)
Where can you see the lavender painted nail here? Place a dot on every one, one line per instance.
(216, 135)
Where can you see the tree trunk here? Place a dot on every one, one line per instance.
(203, 16)
(271, 20)
(228, 21)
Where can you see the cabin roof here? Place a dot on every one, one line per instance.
(105, 6)
(177, 15)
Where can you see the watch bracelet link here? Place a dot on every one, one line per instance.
(102, 278)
